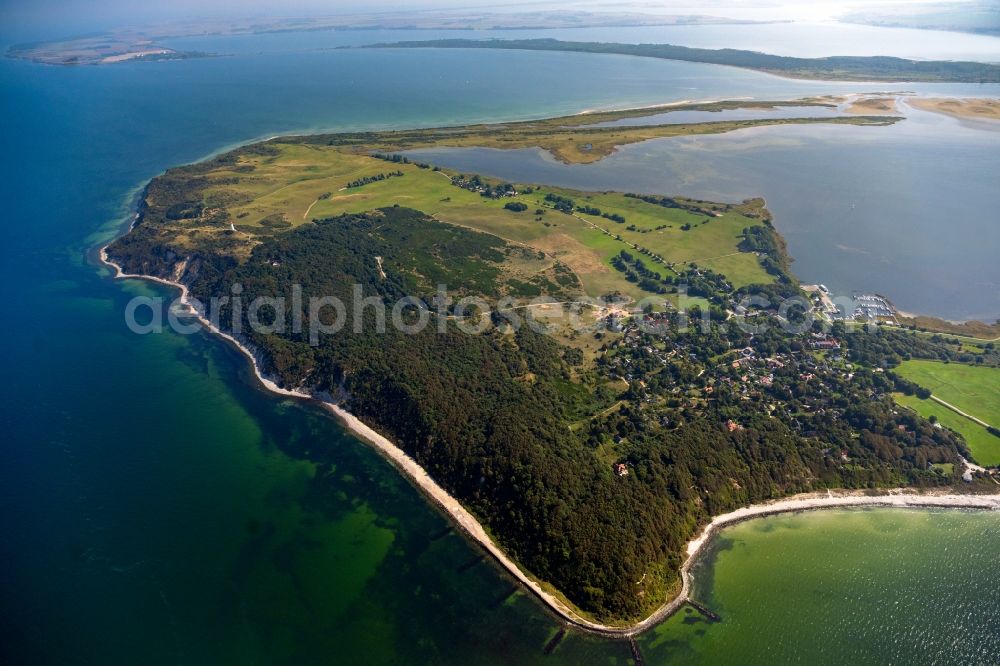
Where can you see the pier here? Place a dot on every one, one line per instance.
(442, 533)
(707, 613)
(636, 655)
(554, 642)
(502, 599)
(471, 563)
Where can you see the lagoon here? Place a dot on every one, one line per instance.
(903, 211)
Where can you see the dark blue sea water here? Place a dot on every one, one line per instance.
(155, 505)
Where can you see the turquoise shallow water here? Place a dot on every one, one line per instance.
(156, 505)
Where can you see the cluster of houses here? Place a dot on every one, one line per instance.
(475, 184)
(824, 342)
(745, 372)
(751, 374)
(814, 368)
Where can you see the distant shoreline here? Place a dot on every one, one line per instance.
(133, 43)
(887, 69)
(895, 498)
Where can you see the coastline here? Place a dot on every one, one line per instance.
(894, 498)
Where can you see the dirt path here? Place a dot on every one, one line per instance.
(960, 412)
(306, 214)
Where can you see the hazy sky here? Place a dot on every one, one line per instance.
(68, 17)
(49, 18)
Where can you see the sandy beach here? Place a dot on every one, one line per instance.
(970, 108)
(897, 498)
(869, 106)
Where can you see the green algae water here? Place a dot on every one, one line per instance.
(859, 586)
(158, 507)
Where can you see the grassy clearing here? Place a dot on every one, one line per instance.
(973, 331)
(264, 193)
(968, 343)
(975, 390)
(709, 242)
(985, 447)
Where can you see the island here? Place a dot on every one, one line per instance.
(834, 68)
(588, 383)
(99, 50)
(147, 42)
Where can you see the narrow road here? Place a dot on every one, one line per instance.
(529, 305)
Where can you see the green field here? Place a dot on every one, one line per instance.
(973, 389)
(261, 193)
(984, 446)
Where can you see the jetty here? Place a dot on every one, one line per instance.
(708, 614)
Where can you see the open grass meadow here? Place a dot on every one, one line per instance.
(973, 389)
(302, 182)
